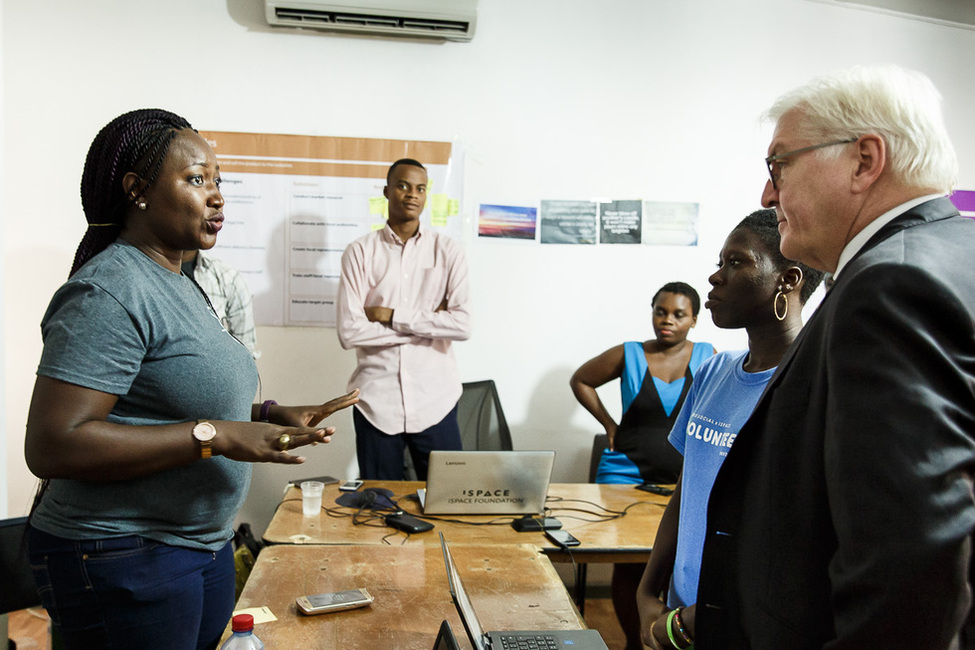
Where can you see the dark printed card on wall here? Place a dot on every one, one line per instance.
(620, 222)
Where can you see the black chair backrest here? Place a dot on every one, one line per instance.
(599, 442)
(481, 418)
(17, 590)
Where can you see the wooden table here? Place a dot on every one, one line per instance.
(585, 510)
(511, 587)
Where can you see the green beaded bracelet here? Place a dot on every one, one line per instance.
(685, 637)
(670, 631)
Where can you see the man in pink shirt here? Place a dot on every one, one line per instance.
(403, 297)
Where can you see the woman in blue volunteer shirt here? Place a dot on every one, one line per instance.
(757, 289)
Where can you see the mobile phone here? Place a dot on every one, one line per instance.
(562, 538)
(327, 480)
(351, 486)
(408, 523)
(656, 489)
(528, 524)
(333, 602)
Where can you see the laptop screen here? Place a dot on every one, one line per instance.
(464, 607)
(488, 482)
(446, 639)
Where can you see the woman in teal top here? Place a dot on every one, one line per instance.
(654, 378)
(141, 424)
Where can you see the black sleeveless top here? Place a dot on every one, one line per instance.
(643, 430)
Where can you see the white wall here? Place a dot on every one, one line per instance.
(560, 99)
(3, 369)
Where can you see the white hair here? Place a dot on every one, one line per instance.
(901, 106)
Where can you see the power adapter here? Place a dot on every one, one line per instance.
(529, 524)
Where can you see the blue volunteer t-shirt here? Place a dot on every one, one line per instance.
(721, 398)
(124, 325)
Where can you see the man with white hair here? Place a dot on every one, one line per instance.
(843, 515)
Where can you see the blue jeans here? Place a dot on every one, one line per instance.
(132, 592)
(381, 455)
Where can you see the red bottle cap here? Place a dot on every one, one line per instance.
(242, 623)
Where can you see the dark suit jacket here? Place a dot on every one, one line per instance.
(843, 515)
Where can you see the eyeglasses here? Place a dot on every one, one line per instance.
(775, 169)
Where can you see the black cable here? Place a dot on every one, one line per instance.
(378, 520)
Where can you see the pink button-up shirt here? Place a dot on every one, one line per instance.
(406, 372)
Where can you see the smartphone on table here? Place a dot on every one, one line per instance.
(333, 602)
(562, 538)
(656, 489)
(327, 480)
(351, 486)
(408, 523)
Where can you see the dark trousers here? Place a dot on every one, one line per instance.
(381, 455)
(132, 592)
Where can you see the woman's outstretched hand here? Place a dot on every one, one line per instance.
(307, 416)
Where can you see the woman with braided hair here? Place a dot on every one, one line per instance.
(142, 425)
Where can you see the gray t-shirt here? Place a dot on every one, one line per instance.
(124, 325)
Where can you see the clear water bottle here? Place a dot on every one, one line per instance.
(243, 638)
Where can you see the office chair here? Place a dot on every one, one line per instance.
(481, 420)
(599, 443)
(18, 590)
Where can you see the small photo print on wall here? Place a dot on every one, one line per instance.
(670, 224)
(620, 222)
(964, 200)
(507, 221)
(568, 222)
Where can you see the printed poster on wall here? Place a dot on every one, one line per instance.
(670, 224)
(293, 203)
(964, 200)
(568, 222)
(620, 222)
(507, 221)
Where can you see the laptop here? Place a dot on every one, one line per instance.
(445, 638)
(540, 639)
(487, 482)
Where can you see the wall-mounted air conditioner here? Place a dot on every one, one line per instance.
(954, 13)
(451, 20)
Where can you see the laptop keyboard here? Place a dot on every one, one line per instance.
(526, 642)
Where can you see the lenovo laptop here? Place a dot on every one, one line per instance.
(560, 639)
(487, 482)
(445, 638)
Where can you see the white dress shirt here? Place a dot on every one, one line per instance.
(405, 371)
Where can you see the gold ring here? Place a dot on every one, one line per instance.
(284, 441)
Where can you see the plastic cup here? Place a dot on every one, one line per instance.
(311, 498)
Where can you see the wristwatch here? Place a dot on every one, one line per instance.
(204, 432)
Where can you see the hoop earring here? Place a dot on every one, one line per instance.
(775, 305)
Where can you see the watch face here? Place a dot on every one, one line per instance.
(204, 431)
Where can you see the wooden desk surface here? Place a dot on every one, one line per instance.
(512, 587)
(624, 539)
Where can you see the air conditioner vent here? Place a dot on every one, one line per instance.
(441, 19)
(319, 19)
(953, 13)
